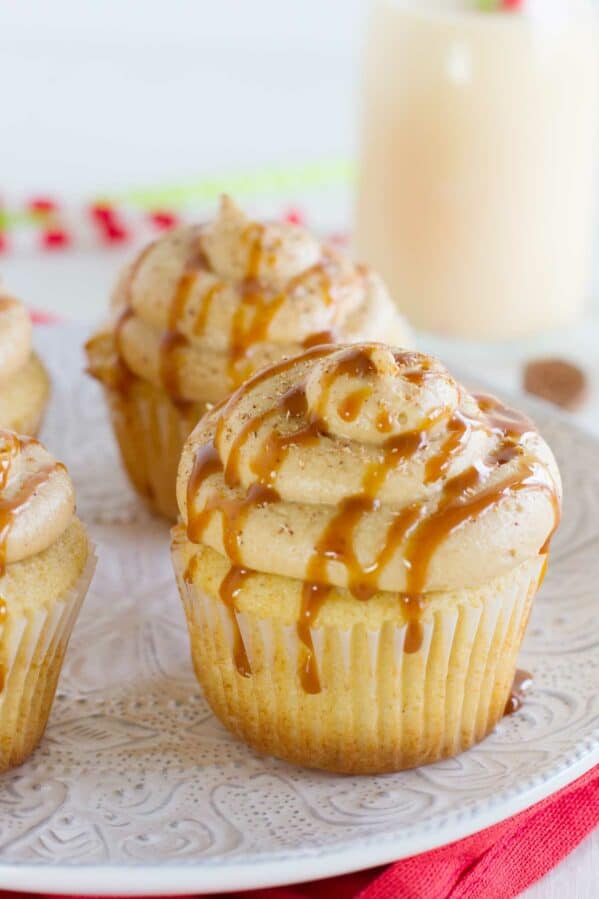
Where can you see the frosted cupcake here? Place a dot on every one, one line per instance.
(24, 382)
(46, 564)
(205, 307)
(360, 544)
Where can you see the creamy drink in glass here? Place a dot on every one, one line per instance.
(476, 184)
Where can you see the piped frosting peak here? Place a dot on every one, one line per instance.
(205, 306)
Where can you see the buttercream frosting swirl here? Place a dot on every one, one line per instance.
(205, 306)
(368, 468)
(15, 336)
(36, 498)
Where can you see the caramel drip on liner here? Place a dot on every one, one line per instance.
(229, 590)
(233, 514)
(424, 529)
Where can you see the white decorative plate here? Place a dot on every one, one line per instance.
(136, 788)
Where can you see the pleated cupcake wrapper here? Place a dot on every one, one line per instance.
(33, 647)
(380, 708)
(151, 432)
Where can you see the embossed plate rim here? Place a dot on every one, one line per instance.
(222, 877)
(226, 872)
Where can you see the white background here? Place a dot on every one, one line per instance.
(116, 94)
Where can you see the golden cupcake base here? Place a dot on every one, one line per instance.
(380, 708)
(151, 430)
(33, 641)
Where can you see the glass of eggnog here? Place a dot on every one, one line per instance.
(477, 184)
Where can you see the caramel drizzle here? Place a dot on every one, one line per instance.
(10, 449)
(229, 590)
(173, 340)
(254, 314)
(199, 326)
(351, 406)
(320, 338)
(461, 499)
(233, 515)
(337, 542)
(261, 309)
(10, 508)
(250, 324)
(458, 505)
(259, 305)
(330, 335)
(207, 462)
(384, 422)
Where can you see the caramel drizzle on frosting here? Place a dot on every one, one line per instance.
(172, 340)
(10, 508)
(254, 314)
(199, 326)
(259, 305)
(233, 512)
(419, 527)
(252, 318)
(350, 407)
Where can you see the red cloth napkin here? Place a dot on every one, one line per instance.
(497, 863)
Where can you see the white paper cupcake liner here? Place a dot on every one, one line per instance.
(32, 647)
(380, 708)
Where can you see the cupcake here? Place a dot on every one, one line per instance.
(201, 310)
(46, 564)
(360, 543)
(24, 382)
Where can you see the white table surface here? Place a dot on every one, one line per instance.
(93, 97)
